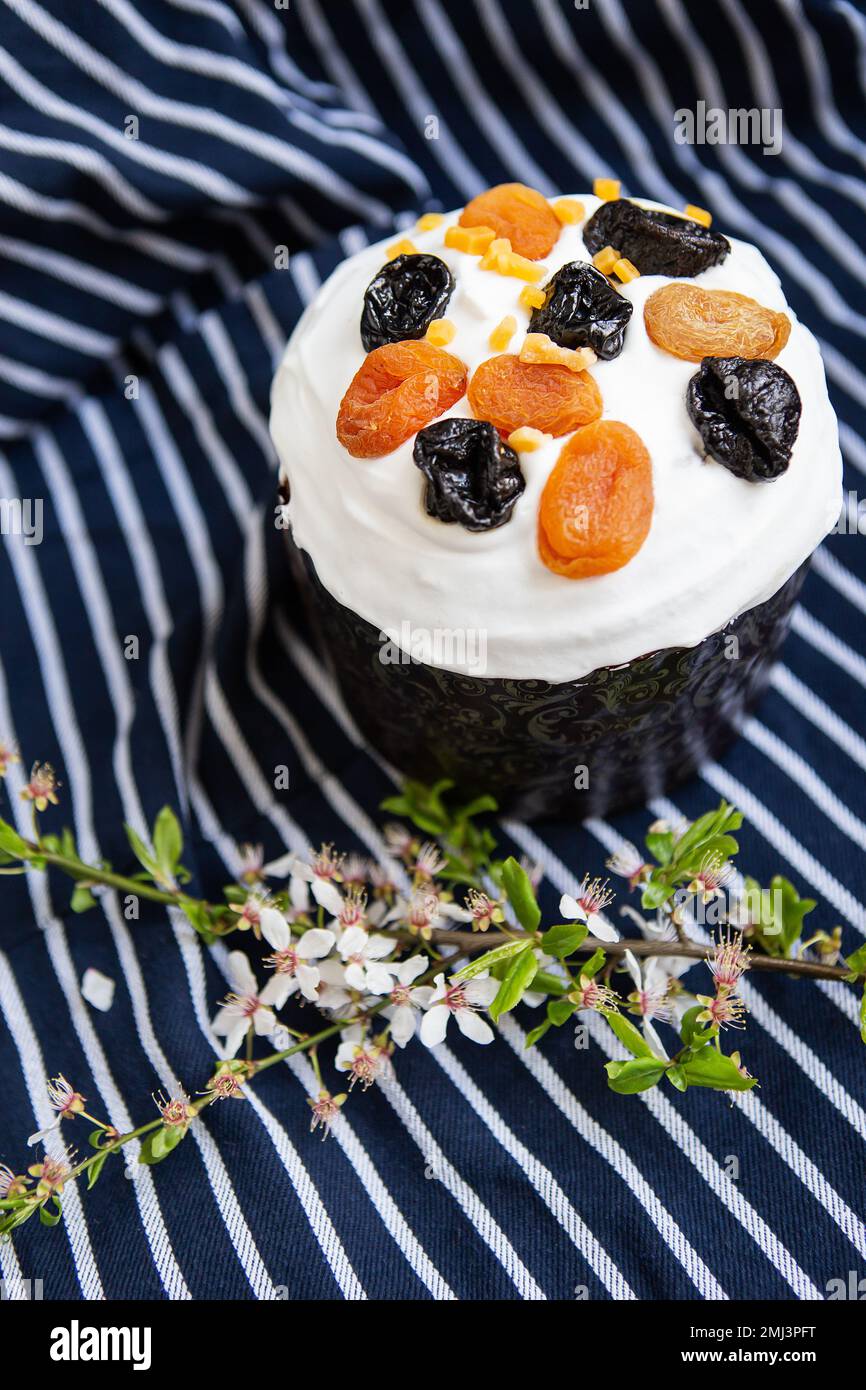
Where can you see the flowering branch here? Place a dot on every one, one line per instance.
(809, 969)
(443, 930)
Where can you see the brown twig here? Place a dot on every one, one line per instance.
(485, 941)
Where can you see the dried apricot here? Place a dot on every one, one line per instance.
(518, 213)
(692, 323)
(510, 393)
(597, 504)
(397, 390)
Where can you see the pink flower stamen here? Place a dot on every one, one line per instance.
(596, 996)
(428, 861)
(326, 1109)
(8, 756)
(52, 1174)
(730, 962)
(11, 1184)
(594, 896)
(42, 786)
(176, 1112)
(354, 909)
(326, 864)
(284, 962)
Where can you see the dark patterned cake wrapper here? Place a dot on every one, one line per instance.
(587, 747)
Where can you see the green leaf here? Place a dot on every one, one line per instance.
(490, 959)
(777, 914)
(515, 984)
(630, 1036)
(12, 842)
(563, 939)
(856, 963)
(689, 1023)
(521, 894)
(141, 851)
(677, 1077)
(395, 805)
(167, 841)
(548, 983)
(82, 899)
(95, 1169)
(537, 1033)
(197, 914)
(641, 1074)
(696, 1035)
(654, 893)
(559, 1011)
(478, 807)
(593, 965)
(51, 1218)
(661, 845)
(422, 805)
(160, 1143)
(713, 1069)
(705, 829)
(718, 847)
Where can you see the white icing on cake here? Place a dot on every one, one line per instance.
(718, 545)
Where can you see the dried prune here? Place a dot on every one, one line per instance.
(597, 504)
(658, 243)
(473, 477)
(693, 323)
(747, 412)
(521, 214)
(582, 309)
(510, 393)
(396, 390)
(403, 298)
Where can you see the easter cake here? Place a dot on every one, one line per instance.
(552, 472)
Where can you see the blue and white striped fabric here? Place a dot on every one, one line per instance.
(153, 153)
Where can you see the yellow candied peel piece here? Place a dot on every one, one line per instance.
(605, 259)
(503, 333)
(569, 211)
(526, 440)
(441, 332)
(538, 349)
(624, 270)
(606, 189)
(429, 222)
(500, 257)
(698, 214)
(473, 240)
(498, 247)
(403, 247)
(532, 297)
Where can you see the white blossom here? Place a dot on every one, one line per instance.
(463, 999)
(362, 955)
(291, 958)
(406, 1001)
(245, 1006)
(588, 908)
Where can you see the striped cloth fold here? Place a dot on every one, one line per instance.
(156, 158)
